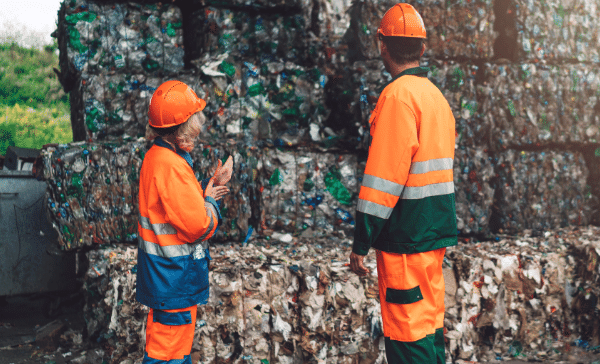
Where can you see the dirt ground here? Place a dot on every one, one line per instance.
(20, 317)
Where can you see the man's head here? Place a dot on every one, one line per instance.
(400, 36)
(175, 113)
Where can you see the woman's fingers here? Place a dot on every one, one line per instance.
(219, 192)
(223, 175)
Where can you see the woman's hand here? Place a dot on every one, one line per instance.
(223, 172)
(216, 192)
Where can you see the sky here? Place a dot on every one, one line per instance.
(28, 22)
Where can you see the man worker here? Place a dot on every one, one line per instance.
(177, 215)
(406, 208)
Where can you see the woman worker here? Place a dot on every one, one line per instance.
(177, 216)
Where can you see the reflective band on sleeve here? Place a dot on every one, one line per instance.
(374, 209)
(145, 222)
(437, 189)
(169, 251)
(159, 229)
(431, 165)
(382, 185)
(211, 212)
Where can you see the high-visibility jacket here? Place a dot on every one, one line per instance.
(175, 221)
(406, 201)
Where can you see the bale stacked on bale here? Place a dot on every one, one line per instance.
(125, 38)
(528, 104)
(92, 191)
(463, 30)
(108, 50)
(547, 189)
(558, 30)
(474, 192)
(517, 297)
(92, 195)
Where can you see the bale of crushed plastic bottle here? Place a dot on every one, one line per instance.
(120, 37)
(313, 194)
(541, 191)
(535, 104)
(454, 30)
(474, 190)
(557, 30)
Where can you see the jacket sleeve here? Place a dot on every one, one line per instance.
(186, 210)
(394, 141)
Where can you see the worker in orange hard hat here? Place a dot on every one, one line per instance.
(406, 208)
(177, 215)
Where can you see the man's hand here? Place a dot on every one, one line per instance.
(216, 192)
(223, 172)
(357, 265)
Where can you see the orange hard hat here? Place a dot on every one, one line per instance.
(402, 20)
(172, 104)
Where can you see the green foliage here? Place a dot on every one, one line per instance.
(34, 110)
(27, 77)
(26, 127)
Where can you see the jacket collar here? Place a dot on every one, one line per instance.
(182, 153)
(416, 71)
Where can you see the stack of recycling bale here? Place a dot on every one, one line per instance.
(526, 297)
(289, 86)
(299, 74)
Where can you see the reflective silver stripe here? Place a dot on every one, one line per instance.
(431, 165)
(374, 209)
(170, 251)
(159, 229)
(145, 222)
(212, 213)
(164, 229)
(382, 185)
(437, 189)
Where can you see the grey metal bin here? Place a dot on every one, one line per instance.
(26, 237)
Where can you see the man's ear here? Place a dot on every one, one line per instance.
(423, 48)
(382, 47)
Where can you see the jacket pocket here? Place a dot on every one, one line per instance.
(172, 318)
(197, 274)
(403, 296)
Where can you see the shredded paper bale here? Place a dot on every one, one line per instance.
(298, 302)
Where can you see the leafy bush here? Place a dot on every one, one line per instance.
(26, 127)
(27, 77)
(34, 110)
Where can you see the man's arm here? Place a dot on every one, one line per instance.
(394, 142)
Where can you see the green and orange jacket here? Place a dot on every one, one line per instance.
(406, 201)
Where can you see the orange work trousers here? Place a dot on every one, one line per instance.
(169, 336)
(411, 292)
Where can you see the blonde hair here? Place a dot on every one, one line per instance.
(185, 136)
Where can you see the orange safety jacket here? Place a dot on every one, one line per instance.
(175, 221)
(406, 201)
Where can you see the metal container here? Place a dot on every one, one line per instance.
(26, 266)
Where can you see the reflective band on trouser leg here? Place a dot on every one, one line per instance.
(411, 291)
(169, 336)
